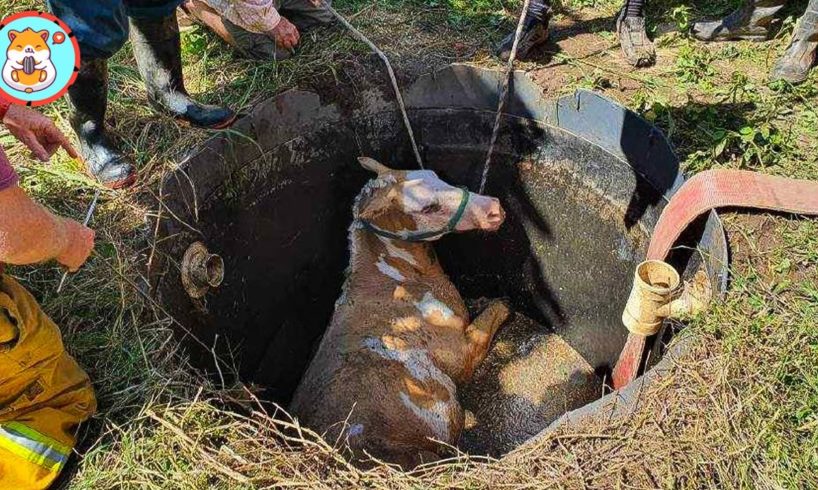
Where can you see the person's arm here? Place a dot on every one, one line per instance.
(4, 107)
(29, 233)
(34, 130)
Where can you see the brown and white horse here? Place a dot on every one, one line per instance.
(385, 375)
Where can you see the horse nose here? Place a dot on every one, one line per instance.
(495, 215)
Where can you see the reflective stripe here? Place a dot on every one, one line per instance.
(32, 446)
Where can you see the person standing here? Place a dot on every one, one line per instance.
(44, 394)
(634, 42)
(753, 20)
(101, 28)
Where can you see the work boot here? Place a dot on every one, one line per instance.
(802, 52)
(749, 22)
(89, 100)
(636, 46)
(158, 55)
(535, 33)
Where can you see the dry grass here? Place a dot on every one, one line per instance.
(738, 411)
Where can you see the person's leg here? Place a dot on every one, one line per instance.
(157, 49)
(535, 31)
(750, 22)
(636, 46)
(45, 394)
(802, 53)
(249, 44)
(304, 14)
(101, 28)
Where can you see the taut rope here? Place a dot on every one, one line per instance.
(503, 95)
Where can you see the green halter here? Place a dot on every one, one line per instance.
(417, 237)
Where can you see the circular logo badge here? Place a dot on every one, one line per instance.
(40, 58)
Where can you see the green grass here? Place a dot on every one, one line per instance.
(740, 412)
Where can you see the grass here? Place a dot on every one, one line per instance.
(739, 411)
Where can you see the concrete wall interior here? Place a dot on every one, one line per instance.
(582, 179)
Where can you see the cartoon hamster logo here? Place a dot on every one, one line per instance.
(39, 65)
(28, 65)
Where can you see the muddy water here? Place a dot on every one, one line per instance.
(529, 379)
(566, 256)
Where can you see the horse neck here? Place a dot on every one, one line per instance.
(394, 259)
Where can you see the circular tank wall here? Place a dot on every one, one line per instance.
(582, 180)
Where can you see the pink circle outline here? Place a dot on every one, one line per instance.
(68, 34)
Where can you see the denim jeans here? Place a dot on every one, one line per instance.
(101, 26)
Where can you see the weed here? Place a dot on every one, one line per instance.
(694, 65)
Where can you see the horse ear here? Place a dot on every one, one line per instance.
(373, 165)
(13, 34)
(44, 35)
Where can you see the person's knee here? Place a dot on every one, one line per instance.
(256, 46)
(304, 14)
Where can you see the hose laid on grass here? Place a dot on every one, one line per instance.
(703, 192)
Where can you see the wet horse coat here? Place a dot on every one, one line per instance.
(385, 375)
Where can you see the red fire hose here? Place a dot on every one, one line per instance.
(706, 191)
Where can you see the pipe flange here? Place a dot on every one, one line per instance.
(201, 270)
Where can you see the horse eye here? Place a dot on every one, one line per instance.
(431, 208)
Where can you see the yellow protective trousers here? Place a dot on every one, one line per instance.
(44, 394)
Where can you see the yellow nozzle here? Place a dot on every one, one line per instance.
(656, 295)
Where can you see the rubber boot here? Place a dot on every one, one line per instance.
(749, 22)
(157, 50)
(637, 48)
(801, 55)
(535, 33)
(89, 100)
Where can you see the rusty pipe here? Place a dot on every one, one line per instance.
(201, 270)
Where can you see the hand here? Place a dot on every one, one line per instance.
(80, 244)
(37, 132)
(317, 3)
(285, 34)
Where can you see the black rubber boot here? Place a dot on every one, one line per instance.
(535, 33)
(158, 54)
(749, 22)
(89, 99)
(802, 52)
(637, 48)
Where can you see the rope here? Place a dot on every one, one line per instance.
(503, 95)
(383, 57)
